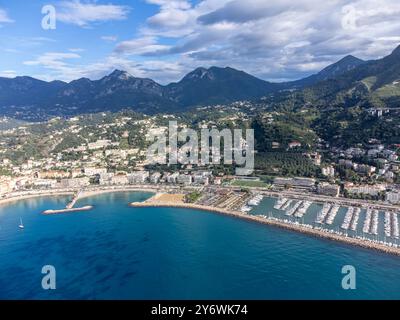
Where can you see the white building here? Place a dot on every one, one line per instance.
(173, 178)
(44, 183)
(201, 179)
(185, 179)
(328, 189)
(328, 171)
(138, 177)
(155, 177)
(372, 190)
(393, 197)
(119, 179)
(105, 178)
(75, 182)
(92, 171)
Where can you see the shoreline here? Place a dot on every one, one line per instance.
(282, 225)
(153, 202)
(91, 193)
(86, 193)
(35, 195)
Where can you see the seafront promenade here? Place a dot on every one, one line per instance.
(95, 190)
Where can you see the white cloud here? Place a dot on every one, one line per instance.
(109, 38)
(8, 73)
(57, 65)
(85, 13)
(76, 50)
(276, 39)
(4, 18)
(141, 46)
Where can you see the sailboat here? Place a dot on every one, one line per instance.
(21, 225)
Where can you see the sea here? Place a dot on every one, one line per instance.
(119, 252)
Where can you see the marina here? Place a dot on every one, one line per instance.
(323, 213)
(330, 217)
(332, 214)
(367, 222)
(296, 206)
(388, 224)
(303, 209)
(356, 217)
(348, 218)
(395, 225)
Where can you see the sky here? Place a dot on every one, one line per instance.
(275, 40)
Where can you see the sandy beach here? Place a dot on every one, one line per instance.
(94, 192)
(46, 193)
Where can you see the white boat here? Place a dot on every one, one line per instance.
(375, 222)
(279, 203)
(296, 206)
(367, 221)
(332, 214)
(255, 201)
(356, 216)
(323, 213)
(348, 218)
(388, 224)
(303, 209)
(395, 222)
(21, 225)
(287, 205)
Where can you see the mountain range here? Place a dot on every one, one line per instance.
(348, 81)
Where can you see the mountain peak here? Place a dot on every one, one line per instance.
(199, 73)
(120, 74)
(350, 58)
(396, 52)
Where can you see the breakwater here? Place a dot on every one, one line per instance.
(67, 210)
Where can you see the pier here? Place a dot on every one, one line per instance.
(332, 214)
(388, 224)
(323, 213)
(367, 221)
(348, 218)
(296, 206)
(70, 206)
(51, 211)
(356, 217)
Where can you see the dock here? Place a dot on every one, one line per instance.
(51, 211)
(70, 206)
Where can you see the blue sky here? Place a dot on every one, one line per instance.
(164, 39)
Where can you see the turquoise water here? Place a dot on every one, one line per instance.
(118, 252)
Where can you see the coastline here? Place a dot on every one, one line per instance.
(47, 193)
(158, 201)
(275, 223)
(69, 192)
(90, 193)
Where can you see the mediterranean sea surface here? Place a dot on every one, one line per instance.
(119, 252)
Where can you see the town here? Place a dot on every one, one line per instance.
(110, 149)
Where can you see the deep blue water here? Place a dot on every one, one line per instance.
(118, 252)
